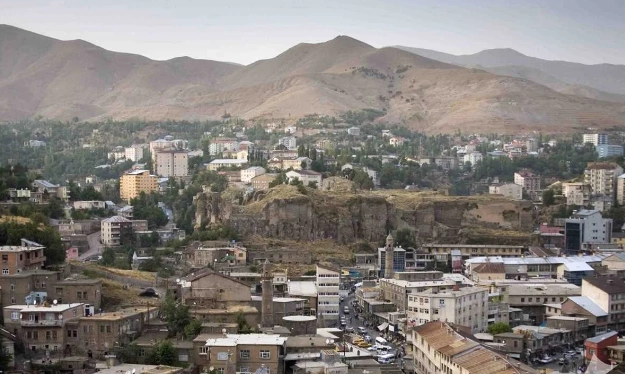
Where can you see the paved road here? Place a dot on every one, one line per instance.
(95, 247)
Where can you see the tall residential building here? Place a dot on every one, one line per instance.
(171, 163)
(620, 189)
(602, 177)
(577, 193)
(463, 306)
(132, 183)
(328, 280)
(473, 157)
(528, 180)
(595, 139)
(114, 229)
(609, 150)
(531, 145)
(586, 227)
(219, 145)
(134, 153)
(608, 292)
(290, 142)
(246, 353)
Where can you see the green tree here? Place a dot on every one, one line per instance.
(108, 257)
(548, 197)
(162, 353)
(243, 326)
(499, 328)
(176, 315)
(405, 238)
(193, 329)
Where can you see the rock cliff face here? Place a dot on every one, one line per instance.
(285, 213)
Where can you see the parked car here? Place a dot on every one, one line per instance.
(349, 329)
(368, 339)
(149, 292)
(346, 310)
(362, 330)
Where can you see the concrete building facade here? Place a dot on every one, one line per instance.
(132, 183)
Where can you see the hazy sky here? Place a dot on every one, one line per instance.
(588, 31)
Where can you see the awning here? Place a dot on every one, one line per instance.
(391, 328)
(383, 326)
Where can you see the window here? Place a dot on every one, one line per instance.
(245, 353)
(108, 328)
(12, 287)
(75, 312)
(101, 328)
(516, 344)
(522, 299)
(69, 333)
(203, 350)
(74, 333)
(221, 370)
(15, 316)
(530, 300)
(265, 355)
(244, 369)
(13, 301)
(79, 295)
(5, 271)
(59, 290)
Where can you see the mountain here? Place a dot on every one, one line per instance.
(603, 81)
(41, 76)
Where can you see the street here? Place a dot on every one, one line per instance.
(95, 247)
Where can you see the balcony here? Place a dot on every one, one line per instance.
(43, 322)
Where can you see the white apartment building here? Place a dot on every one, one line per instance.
(249, 173)
(112, 230)
(328, 303)
(577, 193)
(466, 306)
(527, 180)
(305, 176)
(290, 142)
(509, 190)
(595, 139)
(134, 153)
(586, 227)
(172, 163)
(219, 145)
(601, 176)
(473, 157)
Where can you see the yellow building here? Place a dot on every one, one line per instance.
(131, 184)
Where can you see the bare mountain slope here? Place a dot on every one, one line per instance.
(62, 79)
(602, 77)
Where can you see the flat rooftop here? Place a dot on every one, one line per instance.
(112, 316)
(232, 340)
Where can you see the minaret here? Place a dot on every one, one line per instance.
(388, 255)
(267, 284)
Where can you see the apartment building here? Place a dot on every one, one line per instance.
(132, 183)
(397, 291)
(168, 142)
(78, 205)
(473, 157)
(577, 193)
(462, 306)
(246, 353)
(509, 190)
(134, 153)
(115, 231)
(443, 251)
(620, 189)
(248, 174)
(609, 150)
(17, 258)
(261, 182)
(438, 348)
(585, 228)
(215, 165)
(42, 327)
(327, 283)
(44, 187)
(209, 289)
(38, 286)
(609, 294)
(584, 306)
(601, 176)
(524, 268)
(290, 142)
(528, 180)
(100, 332)
(595, 139)
(219, 145)
(171, 163)
(531, 297)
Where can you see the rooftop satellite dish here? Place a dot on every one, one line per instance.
(55, 301)
(133, 371)
(223, 331)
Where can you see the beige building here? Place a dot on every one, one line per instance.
(602, 176)
(397, 291)
(115, 230)
(262, 182)
(527, 180)
(28, 256)
(132, 183)
(248, 174)
(577, 193)
(171, 163)
(442, 251)
(509, 190)
(463, 306)
(134, 153)
(245, 353)
(620, 189)
(438, 348)
(532, 297)
(305, 176)
(214, 290)
(42, 327)
(215, 165)
(608, 293)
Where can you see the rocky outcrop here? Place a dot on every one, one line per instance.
(286, 213)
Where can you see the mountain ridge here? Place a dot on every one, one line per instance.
(64, 79)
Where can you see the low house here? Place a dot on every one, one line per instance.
(305, 176)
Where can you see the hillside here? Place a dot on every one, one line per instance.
(41, 76)
(285, 213)
(603, 81)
